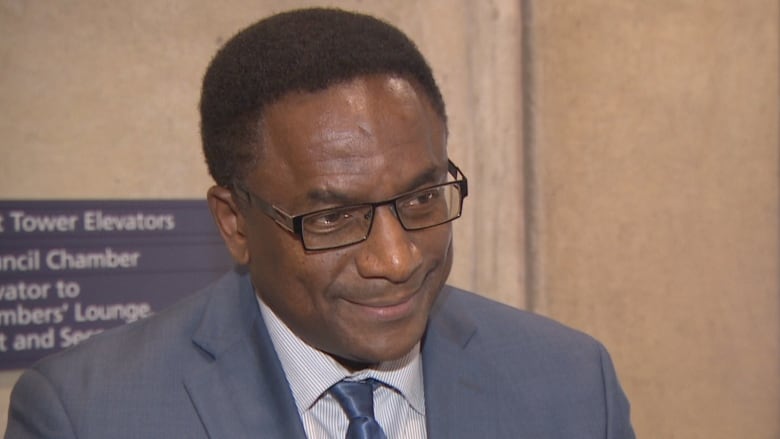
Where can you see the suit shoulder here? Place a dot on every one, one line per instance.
(498, 323)
(560, 380)
(130, 373)
(124, 347)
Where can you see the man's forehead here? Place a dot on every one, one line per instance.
(341, 118)
(353, 90)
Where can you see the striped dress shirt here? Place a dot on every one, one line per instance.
(399, 405)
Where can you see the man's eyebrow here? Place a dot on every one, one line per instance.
(328, 196)
(430, 175)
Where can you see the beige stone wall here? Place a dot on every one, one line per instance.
(656, 202)
(645, 173)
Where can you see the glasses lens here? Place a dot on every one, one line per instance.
(430, 207)
(343, 226)
(336, 227)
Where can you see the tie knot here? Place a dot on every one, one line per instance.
(355, 397)
(357, 400)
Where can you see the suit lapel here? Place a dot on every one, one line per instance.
(458, 401)
(242, 390)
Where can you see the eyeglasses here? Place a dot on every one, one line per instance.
(342, 226)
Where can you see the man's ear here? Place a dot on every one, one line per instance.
(230, 222)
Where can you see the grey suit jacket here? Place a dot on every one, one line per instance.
(206, 369)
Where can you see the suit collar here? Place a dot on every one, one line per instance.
(241, 369)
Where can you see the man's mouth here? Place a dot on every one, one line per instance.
(388, 309)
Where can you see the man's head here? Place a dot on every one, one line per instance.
(298, 51)
(347, 114)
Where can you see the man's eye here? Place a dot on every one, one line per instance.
(338, 220)
(423, 198)
(332, 219)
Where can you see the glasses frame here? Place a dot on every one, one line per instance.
(294, 223)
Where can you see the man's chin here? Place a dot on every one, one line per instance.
(389, 358)
(355, 365)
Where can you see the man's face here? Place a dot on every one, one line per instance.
(366, 140)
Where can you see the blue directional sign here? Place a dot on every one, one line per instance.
(71, 269)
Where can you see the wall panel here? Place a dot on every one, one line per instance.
(655, 157)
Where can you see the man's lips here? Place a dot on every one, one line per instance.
(390, 304)
(387, 309)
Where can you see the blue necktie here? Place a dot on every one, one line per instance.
(357, 400)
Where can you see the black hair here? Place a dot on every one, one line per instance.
(304, 50)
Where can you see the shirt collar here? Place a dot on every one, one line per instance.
(310, 372)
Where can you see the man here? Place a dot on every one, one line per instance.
(326, 135)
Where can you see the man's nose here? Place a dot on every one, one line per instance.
(388, 252)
